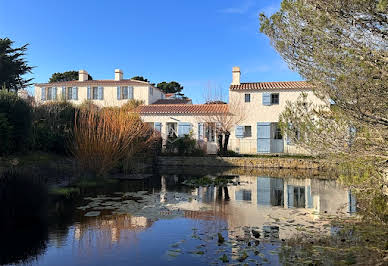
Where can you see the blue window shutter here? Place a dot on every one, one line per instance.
(63, 93)
(200, 130)
(54, 93)
(118, 93)
(266, 98)
(158, 126)
(75, 93)
(101, 93)
(263, 137)
(89, 93)
(43, 93)
(239, 131)
(130, 92)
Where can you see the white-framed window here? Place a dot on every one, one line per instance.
(210, 132)
(151, 91)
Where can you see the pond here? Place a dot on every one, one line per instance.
(162, 220)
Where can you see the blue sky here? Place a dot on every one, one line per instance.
(193, 42)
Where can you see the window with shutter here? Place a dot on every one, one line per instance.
(130, 92)
(275, 98)
(69, 93)
(43, 94)
(101, 93)
(239, 131)
(54, 93)
(63, 93)
(49, 94)
(95, 93)
(118, 93)
(75, 93)
(266, 98)
(89, 92)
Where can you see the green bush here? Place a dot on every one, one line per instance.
(185, 145)
(52, 126)
(5, 134)
(15, 123)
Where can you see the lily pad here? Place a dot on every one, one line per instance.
(92, 214)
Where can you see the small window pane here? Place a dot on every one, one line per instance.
(278, 133)
(124, 91)
(49, 94)
(69, 93)
(247, 131)
(275, 98)
(247, 98)
(95, 93)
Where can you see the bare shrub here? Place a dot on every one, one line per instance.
(102, 139)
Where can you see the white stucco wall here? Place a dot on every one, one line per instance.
(140, 92)
(257, 112)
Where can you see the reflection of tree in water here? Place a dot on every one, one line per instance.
(23, 223)
(23, 243)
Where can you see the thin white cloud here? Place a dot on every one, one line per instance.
(242, 9)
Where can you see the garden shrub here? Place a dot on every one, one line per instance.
(5, 134)
(185, 145)
(52, 126)
(23, 198)
(15, 123)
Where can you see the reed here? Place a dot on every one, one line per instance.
(103, 138)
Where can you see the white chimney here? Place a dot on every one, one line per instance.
(118, 74)
(236, 74)
(83, 75)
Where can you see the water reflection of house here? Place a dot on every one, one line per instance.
(318, 195)
(105, 231)
(257, 199)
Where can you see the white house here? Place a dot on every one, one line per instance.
(103, 93)
(258, 132)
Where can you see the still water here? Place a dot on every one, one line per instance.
(160, 221)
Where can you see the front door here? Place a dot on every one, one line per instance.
(263, 137)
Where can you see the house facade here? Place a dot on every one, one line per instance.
(103, 93)
(257, 132)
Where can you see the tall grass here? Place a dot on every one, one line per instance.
(102, 139)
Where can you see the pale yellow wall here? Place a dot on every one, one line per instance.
(257, 112)
(110, 95)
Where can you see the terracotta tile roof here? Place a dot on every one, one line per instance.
(183, 109)
(281, 85)
(173, 101)
(104, 82)
(168, 95)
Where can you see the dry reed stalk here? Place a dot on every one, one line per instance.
(102, 139)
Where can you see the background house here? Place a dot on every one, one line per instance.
(103, 93)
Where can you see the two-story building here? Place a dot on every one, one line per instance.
(257, 132)
(103, 93)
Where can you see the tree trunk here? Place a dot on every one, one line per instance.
(220, 143)
(226, 193)
(226, 142)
